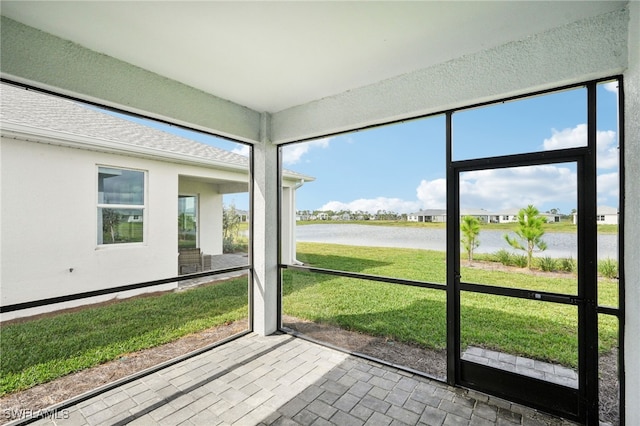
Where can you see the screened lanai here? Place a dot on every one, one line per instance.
(276, 77)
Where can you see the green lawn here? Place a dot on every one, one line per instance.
(545, 331)
(41, 350)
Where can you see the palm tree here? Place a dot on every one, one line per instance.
(470, 228)
(530, 231)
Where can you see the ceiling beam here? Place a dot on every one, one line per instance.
(33, 57)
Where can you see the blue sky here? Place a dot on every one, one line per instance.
(401, 167)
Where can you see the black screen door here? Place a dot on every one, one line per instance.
(515, 330)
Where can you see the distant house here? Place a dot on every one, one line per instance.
(505, 216)
(244, 215)
(302, 216)
(94, 198)
(482, 215)
(605, 215)
(551, 217)
(511, 216)
(440, 215)
(430, 215)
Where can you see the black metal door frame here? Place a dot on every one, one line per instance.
(577, 404)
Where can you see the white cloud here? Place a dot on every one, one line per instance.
(608, 188)
(566, 138)
(606, 143)
(517, 187)
(499, 189)
(612, 86)
(243, 150)
(432, 194)
(372, 205)
(291, 154)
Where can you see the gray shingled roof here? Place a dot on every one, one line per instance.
(31, 108)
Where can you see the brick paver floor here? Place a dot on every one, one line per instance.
(284, 380)
(528, 367)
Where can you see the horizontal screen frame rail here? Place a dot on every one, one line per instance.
(378, 278)
(540, 296)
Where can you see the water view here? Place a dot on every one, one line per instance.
(559, 244)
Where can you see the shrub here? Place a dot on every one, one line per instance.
(568, 264)
(235, 244)
(608, 268)
(548, 264)
(503, 257)
(520, 260)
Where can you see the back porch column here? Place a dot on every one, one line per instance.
(265, 235)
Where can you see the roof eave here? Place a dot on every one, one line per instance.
(69, 140)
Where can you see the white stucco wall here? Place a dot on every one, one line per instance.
(632, 219)
(49, 221)
(49, 224)
(288, 225)
(265, 226)
(609, 219)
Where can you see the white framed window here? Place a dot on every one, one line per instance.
(121, 205)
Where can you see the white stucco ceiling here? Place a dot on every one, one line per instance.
(270, 56)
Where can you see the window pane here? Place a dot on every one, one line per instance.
(540, 123)
(402, 325)
(609, 384)
(536, 339)
(517, 229)
(120, 226)
(361, 207)
(187, 221)
(608, 184)
(116, 186)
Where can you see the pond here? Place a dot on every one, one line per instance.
(558, 244)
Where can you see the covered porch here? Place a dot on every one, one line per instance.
(271, 74)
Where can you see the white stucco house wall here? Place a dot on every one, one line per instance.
(428, 215)
(511, 216)
(57, 159)
(505, 216)
(605, 215)
(440, 215)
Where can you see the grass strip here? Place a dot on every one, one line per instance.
(44, 349)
